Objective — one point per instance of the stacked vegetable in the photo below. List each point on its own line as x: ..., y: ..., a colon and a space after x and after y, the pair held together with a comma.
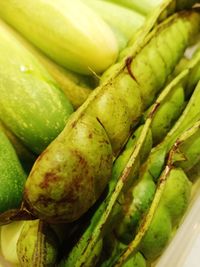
x: 109, y: 182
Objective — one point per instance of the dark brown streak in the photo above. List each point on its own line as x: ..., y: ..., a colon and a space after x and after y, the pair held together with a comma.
x: 155, y: 107
x: 128, y: 66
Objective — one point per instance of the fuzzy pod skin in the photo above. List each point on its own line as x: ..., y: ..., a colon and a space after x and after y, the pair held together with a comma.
x: 173, y: 204
x: 31, y: 104
x: 169, y: 205
x: 117, y: 127
x: 167, y: 114
x: 159, y: 62
x: 118, y: 109
x: 70, y: 176
x: 37, y: 245
x: 143, y: 190
x: 12, y: 176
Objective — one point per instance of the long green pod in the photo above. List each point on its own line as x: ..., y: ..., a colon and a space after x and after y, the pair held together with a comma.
x: 117, y: 96
x: 100, y: 220
x: 167, y: 197
x: 31, y: 104
x: 161, y: 12
x: 144, y: 188
x: 82, y: 250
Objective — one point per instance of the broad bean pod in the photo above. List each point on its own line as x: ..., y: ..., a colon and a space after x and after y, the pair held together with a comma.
x: 123, y: 174
x: 81, y: 173
x: 144, y: 188
x: 169, y: 204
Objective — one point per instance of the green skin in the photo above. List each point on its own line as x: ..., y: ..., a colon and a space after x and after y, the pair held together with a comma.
x: 25, y: 156
x: 141, y: 195
x: 174, y: 202
x: 54, y: 186
x: 37, y: 245
x: 167, y: 114
x: 12, y: 176
x: 118, y: 167
x: 169, y: 204
x: 31, y: 104
x: 113, y: 97
x: 83, y: 248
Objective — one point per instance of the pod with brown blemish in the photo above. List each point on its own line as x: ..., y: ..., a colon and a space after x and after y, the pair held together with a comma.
x: 70, y: 176
x: 44, y: 205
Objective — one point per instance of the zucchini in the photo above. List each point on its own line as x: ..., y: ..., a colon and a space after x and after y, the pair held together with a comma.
x: 31, y: 104
x: 12, y: 178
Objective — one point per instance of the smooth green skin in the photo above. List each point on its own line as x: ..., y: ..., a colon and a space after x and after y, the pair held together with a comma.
x: 69, y: 177
x: 37, y: 245
x: 69, y: 32
x: 126, y: 21
x: 173, y: 204
x: 25, y: 156
x: 167, y: 114
x: 31, y: 104
x: 12, y: 178
x: 75, y: 86
x: 143, y: 7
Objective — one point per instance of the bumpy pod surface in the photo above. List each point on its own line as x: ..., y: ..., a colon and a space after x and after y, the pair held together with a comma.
x: 124, y: 96
x: 61, y: 189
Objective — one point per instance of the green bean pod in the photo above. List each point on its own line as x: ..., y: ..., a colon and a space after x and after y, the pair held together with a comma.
x: 141, y: 194
x: 125, y: 170
x: 125, y: 95
x: 169, y: 204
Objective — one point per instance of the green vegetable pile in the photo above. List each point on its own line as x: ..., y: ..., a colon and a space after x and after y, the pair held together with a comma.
x: 99, y: 129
